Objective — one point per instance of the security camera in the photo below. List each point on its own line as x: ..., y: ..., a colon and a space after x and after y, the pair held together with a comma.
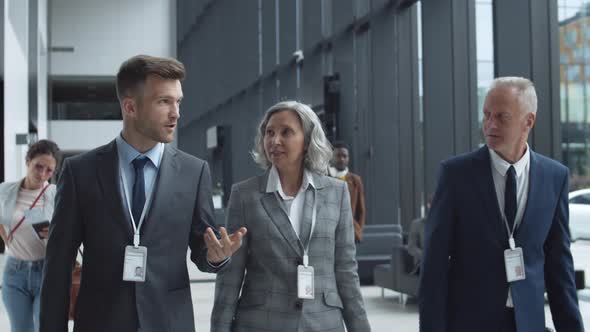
x: 298, y: 56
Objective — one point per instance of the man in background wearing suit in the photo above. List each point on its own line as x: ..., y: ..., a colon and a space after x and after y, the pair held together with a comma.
x: 497, y: 236
x: 136, y: 204
x: 355, y: 187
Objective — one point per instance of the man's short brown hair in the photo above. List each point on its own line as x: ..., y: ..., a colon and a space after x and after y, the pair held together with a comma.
x: 134, y: 72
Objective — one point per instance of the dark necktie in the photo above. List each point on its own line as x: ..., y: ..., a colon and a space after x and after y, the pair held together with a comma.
x: 138, y: 188
x: 510, y: 197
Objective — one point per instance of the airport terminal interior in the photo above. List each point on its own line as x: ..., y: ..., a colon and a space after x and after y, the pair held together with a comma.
x: 401, y: 82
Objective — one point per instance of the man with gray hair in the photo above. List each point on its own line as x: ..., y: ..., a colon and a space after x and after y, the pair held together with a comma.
x: 497, y: 236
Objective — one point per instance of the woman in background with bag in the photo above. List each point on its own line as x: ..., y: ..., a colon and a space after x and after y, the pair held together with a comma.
x: 26, y: 207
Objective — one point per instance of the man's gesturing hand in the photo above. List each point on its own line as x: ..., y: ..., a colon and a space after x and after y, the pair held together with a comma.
x: 219, y: 250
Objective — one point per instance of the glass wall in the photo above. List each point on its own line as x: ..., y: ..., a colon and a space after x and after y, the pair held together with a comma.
x: 574, y: 41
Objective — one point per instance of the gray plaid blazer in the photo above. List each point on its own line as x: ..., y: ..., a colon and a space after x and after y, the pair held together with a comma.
x: 257, y: 291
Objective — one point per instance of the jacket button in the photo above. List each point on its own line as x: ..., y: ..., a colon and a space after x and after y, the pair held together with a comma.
x: 298, y: 304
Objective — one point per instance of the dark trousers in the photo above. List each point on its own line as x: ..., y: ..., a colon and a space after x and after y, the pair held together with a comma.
x: 509, y: 321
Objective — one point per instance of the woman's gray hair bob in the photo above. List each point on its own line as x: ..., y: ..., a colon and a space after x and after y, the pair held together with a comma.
x: 318, y: 152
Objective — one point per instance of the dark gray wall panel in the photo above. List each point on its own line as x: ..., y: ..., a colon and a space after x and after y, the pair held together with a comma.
x: 344, y: 66
x: 378, y: 4
x: 246, y: 118
x: 311, y: 23
x: 312, y: 80
x: 437, y: 85
x: 270, y: 94
x: 269, y: 38
x: 449, y: 81
x: 287, y: 31
x: 216, y: 49
x: 342, y: 14
x: 361, y: 7
x: 411, y: 157
x: 362, y: 143
x: 188, y: 12
x: 288, y: 84
x: 385, y: 133
x: 526, y: 39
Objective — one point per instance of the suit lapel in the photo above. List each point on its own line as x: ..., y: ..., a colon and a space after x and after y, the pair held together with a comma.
x: 108, y: 176
x: 280, y: 218
x: 536, y: 180
x: 162, y: 190
x: 320, y: 197
x: 487, y: 190
x: 307, y: 216
x: 277, y: 214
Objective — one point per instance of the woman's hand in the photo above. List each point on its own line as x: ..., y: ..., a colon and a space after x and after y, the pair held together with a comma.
x: 44, y: 233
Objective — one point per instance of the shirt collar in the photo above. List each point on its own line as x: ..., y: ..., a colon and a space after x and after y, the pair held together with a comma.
x: 128, y: 153
x: 274, y: 182
x: 337, y: 174
x: 502, y: 165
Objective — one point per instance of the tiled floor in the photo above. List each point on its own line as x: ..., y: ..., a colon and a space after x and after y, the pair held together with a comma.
x: 385, y: 313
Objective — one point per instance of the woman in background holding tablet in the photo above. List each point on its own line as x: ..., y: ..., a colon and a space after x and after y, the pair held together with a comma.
x: 26, y: 207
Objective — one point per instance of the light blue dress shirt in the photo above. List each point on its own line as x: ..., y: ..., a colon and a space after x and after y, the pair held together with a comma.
x: 127, y: 154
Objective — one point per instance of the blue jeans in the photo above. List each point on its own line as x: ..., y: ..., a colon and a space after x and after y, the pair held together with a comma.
x: 21, y: 291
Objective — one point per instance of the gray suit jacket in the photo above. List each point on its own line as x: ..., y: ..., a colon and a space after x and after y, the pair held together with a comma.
x: 89, y: 211
x: 268, y: 259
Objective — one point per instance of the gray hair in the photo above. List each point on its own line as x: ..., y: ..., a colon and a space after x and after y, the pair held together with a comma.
x: 525, y: 90
x: 318, y: 152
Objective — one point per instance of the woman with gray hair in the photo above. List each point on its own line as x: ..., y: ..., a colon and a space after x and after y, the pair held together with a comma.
x: 296, y: 269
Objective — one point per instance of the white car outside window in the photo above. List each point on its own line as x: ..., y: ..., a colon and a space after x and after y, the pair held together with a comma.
x: 579, y: 204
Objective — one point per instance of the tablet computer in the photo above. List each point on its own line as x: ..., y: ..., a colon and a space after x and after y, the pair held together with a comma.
x: 39, y: 227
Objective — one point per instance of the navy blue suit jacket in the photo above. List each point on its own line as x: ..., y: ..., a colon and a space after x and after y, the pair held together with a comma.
x: 463, y: 283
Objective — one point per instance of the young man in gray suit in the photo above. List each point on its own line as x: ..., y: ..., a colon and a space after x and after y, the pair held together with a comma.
x: 136, y: 204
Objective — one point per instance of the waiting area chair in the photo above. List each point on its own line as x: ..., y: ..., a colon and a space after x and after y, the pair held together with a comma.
x: 397, y: 274
x: 375, y: 249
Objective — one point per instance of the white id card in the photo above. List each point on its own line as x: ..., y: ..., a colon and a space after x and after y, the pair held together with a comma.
x: 514, y: 261
x: 134, y: 267
x: 34, y: 216
x: 305, y: 287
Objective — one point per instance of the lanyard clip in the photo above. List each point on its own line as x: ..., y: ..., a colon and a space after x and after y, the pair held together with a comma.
x: 511, y: 243
x: 305, y: 260
x: 136, y: 239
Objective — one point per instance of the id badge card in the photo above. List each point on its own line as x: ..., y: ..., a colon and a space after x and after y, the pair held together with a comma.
x: 514, y: 261
x: 34, y: 216
x: 305, y: 286
x: 135, y: 264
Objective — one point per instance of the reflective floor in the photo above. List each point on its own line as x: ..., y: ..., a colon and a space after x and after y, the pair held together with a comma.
x: 386, y: 313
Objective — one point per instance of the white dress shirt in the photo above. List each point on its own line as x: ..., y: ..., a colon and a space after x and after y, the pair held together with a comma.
x: 294, y: 205
x: 499, y: 169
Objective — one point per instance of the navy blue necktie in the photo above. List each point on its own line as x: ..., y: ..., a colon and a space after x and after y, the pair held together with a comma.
x: 510, y: 197
x: 138, y: 188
